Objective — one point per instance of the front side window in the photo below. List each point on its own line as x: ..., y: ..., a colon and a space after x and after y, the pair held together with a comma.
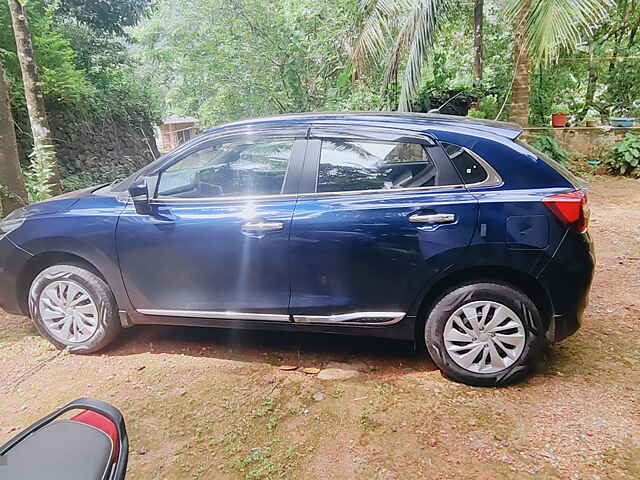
x: 229, y: 170
x: 350, y: 165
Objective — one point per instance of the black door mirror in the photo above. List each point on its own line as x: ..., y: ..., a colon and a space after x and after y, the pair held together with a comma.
x: 141, y: 192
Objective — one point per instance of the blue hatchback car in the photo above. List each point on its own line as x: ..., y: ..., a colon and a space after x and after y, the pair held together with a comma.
x: 416, y: 227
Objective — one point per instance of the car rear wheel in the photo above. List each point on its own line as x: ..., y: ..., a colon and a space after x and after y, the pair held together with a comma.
x: 485, y: 334
x: 74, y: 309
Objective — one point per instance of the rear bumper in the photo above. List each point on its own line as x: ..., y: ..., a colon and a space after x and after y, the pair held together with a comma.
x: 568, y: 278
x: 12, y: 262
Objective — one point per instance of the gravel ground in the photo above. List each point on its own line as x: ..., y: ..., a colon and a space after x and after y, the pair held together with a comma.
x: 208, y: 403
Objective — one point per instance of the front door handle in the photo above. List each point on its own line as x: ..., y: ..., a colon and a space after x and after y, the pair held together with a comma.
x: 440, y: 218
x: 262, y: 226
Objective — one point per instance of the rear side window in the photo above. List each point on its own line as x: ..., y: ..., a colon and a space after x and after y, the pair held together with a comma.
x: 468, y: 167
x: 350, y: 165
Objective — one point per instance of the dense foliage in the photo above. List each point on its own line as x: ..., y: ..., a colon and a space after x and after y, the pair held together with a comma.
x: 224, y: 60
x: 551, y: 147
x: 221, y: 60
x: 82, y: 56
x: 624, y: 157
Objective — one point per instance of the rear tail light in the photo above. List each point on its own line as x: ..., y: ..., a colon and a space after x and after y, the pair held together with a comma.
x: 571, y: 208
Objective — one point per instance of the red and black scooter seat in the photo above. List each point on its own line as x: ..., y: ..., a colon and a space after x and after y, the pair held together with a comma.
x: 62, y: 450
x: 92, y: 445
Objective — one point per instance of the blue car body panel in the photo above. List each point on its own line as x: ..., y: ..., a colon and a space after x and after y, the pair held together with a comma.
x: 335, y: 253
x: 360, y: 252
x: 82, y: 227
x: 217, y: 267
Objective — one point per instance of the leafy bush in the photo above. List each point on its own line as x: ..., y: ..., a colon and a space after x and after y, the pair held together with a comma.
x: 487, y: 107
x: 82, y: 180
x: 624, y: 157
x: 560, y: 108
x: 37, y: 177
x: 550, y: 146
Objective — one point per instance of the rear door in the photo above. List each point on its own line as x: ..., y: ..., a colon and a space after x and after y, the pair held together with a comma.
x: 380, y: 212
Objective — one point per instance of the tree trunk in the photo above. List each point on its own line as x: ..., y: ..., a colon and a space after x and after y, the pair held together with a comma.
x: 478, y: 41
x: 592, y: 83
x: 520, y: 90
x: 42, y: 141
x: 13, y: 193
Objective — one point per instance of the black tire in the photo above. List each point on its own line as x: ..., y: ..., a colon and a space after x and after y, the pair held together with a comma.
x: 504, y: 294
x: 108, y: 321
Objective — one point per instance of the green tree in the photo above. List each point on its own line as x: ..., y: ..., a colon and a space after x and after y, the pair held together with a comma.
x: 225, y: 60
x: 105, y: 17
x: 478, y: 41
x: 541, y: 29
x: 43, y: 144
x: 13, y: 193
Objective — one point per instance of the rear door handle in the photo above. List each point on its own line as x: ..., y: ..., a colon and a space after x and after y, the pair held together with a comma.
x: 439, y: 218
x: 262, y: 226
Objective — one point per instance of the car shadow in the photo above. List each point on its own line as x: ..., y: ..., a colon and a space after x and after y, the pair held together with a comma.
x: 381, y: 356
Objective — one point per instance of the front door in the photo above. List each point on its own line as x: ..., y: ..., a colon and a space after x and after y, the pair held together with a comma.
x: 381, y: 217
x: 216, y: 243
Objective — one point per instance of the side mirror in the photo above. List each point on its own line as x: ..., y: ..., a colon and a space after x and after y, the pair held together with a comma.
x: 141, y: 193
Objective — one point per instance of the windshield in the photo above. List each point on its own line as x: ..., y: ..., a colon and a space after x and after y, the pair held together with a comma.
x: 576, y: 181
x: 123, y: 184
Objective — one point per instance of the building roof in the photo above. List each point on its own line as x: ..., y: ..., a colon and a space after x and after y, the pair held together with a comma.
x: 407, y: 120
x: 176, y: 119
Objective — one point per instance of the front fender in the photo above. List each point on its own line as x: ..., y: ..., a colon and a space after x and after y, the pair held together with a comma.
x: 87, y: 231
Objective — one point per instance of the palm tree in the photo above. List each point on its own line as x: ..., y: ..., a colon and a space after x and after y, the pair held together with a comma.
x: 478, y: 41
x: 543, y: 28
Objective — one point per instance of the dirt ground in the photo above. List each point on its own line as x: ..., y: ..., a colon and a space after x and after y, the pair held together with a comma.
x: 209, y: 404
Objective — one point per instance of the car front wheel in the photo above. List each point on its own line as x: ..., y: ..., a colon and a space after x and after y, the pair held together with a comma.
x: 485, y: 334
x: 74, y: 309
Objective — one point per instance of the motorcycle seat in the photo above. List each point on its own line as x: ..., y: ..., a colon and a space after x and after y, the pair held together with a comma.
x: 61, y: 450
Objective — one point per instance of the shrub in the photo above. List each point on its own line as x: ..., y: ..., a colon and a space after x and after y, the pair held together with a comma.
x: 624, y: 157
x: 560, y: 108
x: 37, y: 177
x: 550, y: 146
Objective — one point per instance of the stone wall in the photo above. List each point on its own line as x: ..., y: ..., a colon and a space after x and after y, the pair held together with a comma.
x: 592, y: 142
x: 92, y: 151
x: 100, y: 150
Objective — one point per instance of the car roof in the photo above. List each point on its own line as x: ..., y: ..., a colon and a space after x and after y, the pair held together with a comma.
x: 414, y: 121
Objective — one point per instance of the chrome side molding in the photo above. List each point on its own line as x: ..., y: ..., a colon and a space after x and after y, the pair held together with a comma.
x: 356, y: 318
x: 218, y: 315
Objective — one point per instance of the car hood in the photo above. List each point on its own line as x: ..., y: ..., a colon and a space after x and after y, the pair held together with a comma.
x: 58, y: 203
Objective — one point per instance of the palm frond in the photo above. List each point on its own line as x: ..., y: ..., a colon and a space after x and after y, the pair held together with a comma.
x: 392, y: 63
x: 421, y: 30
x: 380, y: 15
x: 554, y: 25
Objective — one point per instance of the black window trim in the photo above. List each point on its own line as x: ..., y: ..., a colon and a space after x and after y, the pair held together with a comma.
x: 493, y: 178
x: 360, y: 133
x: 222, y: 135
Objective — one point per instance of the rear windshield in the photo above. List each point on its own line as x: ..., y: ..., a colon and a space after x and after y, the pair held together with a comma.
x: 576, y: 181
